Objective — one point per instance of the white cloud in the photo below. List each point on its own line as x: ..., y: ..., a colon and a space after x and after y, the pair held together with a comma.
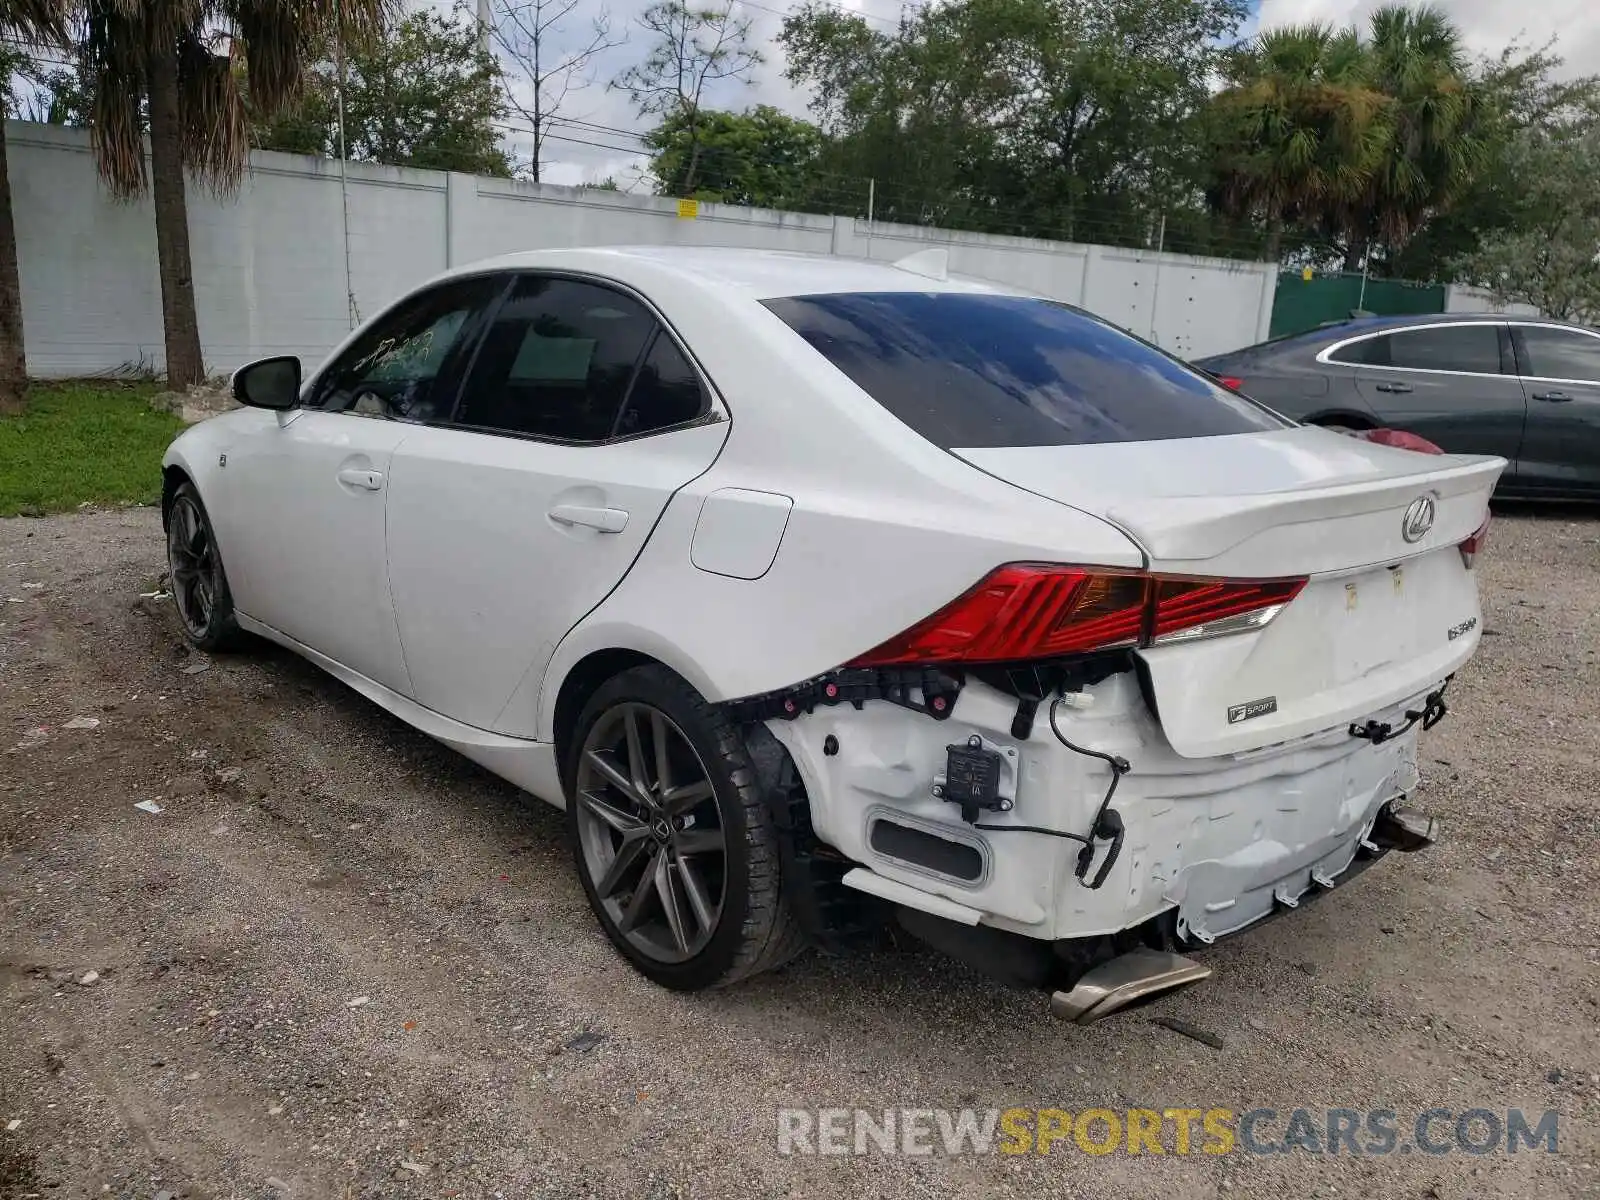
x: 1487, y: 26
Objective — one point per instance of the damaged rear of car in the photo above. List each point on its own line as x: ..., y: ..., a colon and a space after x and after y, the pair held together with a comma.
x: 1041, y: 641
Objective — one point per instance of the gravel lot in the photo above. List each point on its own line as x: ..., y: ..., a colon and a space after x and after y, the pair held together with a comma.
x: 313, y: 851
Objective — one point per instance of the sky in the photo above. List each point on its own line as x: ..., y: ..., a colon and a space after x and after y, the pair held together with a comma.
x: 1486, y: 25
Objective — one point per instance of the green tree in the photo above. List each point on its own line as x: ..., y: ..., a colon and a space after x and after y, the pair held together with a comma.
x: 1517, y: 92
x: 691, y: 49
x: 1064, y: 118
x: 762, y: 158
x: 1549, y: 258
x: 1434, y: 145
x: 24, y: 20
x: 169, y: 64
x: 1297, y: 130
x: 423, y: 95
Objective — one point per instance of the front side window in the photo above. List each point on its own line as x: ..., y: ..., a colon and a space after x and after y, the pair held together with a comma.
x: 557, y: 361
x: 1560, y: 354
x: 971, y: 370
x: 396, y: 368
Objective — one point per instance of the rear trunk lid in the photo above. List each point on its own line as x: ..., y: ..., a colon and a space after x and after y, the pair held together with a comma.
x: 1390, y: 608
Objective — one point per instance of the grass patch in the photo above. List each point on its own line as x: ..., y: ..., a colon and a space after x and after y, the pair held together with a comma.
x: 94, y: 442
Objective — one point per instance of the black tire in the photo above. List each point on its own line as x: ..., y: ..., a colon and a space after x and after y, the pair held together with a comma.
x: 195, y: 572
x: 754, y: 929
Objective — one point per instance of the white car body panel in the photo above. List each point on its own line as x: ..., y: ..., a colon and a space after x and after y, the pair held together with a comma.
x: 763, y: 550
x: 487, y: 570
x: 305, y: 549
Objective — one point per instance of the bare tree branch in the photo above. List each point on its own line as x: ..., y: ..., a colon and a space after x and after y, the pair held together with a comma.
x: 691, y: 49
x: 530, y: 34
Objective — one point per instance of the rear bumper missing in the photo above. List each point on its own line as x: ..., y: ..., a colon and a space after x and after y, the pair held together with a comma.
x: 1215, y: 844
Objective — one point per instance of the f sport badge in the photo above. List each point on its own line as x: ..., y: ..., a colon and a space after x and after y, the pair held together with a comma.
x: 1249, y: 712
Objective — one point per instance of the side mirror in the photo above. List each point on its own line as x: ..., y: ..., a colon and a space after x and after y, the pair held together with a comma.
x: 268, y: 383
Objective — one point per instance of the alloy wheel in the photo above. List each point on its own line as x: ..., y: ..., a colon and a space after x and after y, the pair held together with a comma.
x: 194, y: 564
x: 650, y: 832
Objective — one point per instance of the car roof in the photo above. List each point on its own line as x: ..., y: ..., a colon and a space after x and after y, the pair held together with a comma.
x: 761, y: 274
x: 1355, y: 326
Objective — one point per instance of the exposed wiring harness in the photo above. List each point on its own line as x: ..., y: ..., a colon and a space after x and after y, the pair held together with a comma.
x: 1107, y: 824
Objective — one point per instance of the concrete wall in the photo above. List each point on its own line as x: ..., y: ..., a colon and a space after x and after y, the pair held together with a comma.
x: 270, y: 263
x: 1459, y: 299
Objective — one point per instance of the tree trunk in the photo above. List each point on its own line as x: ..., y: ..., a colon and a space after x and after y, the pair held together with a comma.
x: 184, y: 364
x: 13, y: 363
x: 1354, y: 253
x: 1275, y: 240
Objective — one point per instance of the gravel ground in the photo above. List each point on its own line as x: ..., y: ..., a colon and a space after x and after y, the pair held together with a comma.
x: 313, y: 852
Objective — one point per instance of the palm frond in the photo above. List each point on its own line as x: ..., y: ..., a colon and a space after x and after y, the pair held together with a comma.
x: 35, y: 20
x: 112, y: 57
x: 216, y: 126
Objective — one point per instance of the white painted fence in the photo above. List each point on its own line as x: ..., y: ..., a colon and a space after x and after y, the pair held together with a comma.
x: 1458, y: 299
x: 270, y: 264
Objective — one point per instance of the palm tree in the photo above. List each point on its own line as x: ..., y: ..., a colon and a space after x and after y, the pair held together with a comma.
x: 1298, y: 129
x: 1415, y: 58
x: 171, y: 63
x: 28, y: 20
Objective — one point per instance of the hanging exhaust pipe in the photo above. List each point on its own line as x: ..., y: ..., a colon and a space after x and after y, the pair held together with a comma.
x: 1129, y: 979
x: 1404, y: 829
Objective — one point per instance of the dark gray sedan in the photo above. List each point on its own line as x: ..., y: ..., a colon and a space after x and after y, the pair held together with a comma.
x: 1523, y: 388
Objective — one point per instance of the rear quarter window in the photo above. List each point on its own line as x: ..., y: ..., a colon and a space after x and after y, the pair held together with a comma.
x: 973, y: 370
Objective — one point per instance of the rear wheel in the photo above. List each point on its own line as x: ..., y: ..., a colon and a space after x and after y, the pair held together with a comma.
x: 672, y: 836
x: 199, y: 583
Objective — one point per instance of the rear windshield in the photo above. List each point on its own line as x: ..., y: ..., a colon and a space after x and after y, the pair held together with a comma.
x: 972, y: 370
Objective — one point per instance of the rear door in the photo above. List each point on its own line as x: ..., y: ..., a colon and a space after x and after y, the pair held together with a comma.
x: 1561, y: 376
x: 580, y: 417
x: 1454, y: 384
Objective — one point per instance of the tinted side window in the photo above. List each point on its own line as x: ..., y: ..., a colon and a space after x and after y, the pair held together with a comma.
x: 666, y: 392
x: 972, y: 370
x: 394, y: 368
x: 1560, y: 354
x: 1369, y: 352
x: 557, y: 361
x: 1448, y: 348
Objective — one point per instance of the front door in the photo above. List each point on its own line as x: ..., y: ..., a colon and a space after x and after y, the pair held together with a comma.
x: 313, y: 486
x: 579, y: 421
x: 1561, y: 376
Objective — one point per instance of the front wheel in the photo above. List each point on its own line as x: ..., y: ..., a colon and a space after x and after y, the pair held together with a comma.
x: 673, y: 839
x: 199, y: 584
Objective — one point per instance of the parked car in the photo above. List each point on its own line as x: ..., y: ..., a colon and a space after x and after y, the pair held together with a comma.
x: 819, y: 590
x: 1525, y: 389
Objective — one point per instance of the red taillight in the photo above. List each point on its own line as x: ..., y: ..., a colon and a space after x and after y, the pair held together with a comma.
x: 1032, y: 610
x: 1398, y: 438
x: 1196, y: 608
x: 1469, y: 548
x: 1232, y: 382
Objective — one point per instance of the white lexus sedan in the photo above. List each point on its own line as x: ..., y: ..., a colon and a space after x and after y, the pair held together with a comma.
x: 821, y: 592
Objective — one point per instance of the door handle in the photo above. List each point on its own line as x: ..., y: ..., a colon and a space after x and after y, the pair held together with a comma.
x: 1396, y: 389
x: 606, y: 520
x: 1553, y: 397
x: 368, y: 481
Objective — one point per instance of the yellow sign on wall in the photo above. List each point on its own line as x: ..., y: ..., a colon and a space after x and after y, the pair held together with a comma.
x: 1305, y: 274
x: 688, y: 209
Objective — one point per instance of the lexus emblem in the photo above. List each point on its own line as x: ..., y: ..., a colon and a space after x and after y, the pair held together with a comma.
x: 1418, y: 519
